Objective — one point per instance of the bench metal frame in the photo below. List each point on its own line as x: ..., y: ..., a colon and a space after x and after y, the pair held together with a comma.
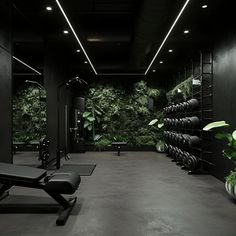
x: 66, y: 204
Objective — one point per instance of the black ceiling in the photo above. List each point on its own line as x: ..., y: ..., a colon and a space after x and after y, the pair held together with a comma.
x: 119, y: 36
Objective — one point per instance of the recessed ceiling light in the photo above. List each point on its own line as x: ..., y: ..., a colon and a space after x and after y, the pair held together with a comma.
x: 65, y: 31
x: 204, y: 6
x: 161, y: 62
x: 153, y: 70
x: 85, y: 62
x: 78, y: 50
x: 49, y: 8
x: 186, y: 31
x: 170, y: 50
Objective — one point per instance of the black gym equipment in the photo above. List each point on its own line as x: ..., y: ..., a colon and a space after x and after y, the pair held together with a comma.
x: 53, y: 184
x: 44, y: 152
x: 67, y: 84
x: 118, y: 146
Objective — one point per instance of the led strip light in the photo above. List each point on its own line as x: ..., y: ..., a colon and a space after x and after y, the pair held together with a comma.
x: 25, y: 64
x: 158, y: 51
x: 170, y: 30
x: 121, y: 74
x: 77, y: 38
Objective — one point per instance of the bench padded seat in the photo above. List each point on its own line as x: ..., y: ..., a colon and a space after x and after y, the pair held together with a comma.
x: 63, y: 183
x: 27, y: 174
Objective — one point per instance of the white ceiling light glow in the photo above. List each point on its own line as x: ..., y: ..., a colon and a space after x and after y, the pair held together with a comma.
x: 65, y: 31
x: 170, y: 50
x: 204, y: 6
x: 76, y: 37
x: 186, y: 31
x: 140, y: 74
x: 25, y: 64
x: 166, y: 37
x: 49, y: 8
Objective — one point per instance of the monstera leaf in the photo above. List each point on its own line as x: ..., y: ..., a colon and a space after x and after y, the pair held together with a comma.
x: 216, y: 124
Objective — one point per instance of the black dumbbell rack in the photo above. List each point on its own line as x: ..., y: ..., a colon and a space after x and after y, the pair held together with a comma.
x: 195, y: 158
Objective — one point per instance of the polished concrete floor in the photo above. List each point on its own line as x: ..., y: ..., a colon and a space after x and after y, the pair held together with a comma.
x: 136, y: 194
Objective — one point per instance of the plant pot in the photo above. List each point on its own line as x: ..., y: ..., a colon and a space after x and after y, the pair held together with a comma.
x: 231, y: 189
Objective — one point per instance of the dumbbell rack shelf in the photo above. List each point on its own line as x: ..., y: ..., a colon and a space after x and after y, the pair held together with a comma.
x: 195, y: 159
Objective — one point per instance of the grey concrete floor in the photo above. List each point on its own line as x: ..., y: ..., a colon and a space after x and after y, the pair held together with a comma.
x: 136, y: 194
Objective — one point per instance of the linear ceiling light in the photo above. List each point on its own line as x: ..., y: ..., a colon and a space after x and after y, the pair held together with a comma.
x: 77, y: 38
x: 121, y: 74
x: 166, y: 37
x: 23, y: 63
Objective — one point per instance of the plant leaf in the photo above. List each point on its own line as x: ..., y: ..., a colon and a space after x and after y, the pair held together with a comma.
x: 234, y: 135
x: 86, y: 124
x: 97, y: 112
x: 223, y: 136
x: 91, y: 119
x: 86, y: 114
x: 216, y: 124
x: 152, y: 122
x: 97, y: 137
x: 230, y: 153
x: 160, y: 125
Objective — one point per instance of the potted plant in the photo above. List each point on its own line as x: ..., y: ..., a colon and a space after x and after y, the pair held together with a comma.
x: 229, y: 152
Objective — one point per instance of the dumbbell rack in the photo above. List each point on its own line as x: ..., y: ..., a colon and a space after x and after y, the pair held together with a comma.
x: 202, y: 90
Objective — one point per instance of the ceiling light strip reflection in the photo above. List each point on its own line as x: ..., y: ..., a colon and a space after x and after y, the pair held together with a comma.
x: 170, y: 30
x: 120, y: 74
x: 25, y: 64
x: 72, y: 29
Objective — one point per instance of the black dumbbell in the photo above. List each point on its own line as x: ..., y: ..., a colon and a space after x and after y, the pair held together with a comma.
x: 193, y: 122
x: 193, y: 163
x: 192, y: 104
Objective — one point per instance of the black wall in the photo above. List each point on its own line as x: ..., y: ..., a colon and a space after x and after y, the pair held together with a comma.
x: 224, y: 98
x: 5, y: 82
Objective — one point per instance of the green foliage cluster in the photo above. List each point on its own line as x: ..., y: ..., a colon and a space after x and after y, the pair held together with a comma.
x: 117, y: 115
x: 230, y: 151
x: 180, y: 92
x: 29, y: 115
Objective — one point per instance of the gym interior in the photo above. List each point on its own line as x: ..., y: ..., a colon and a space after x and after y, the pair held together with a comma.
x: 117, y: 117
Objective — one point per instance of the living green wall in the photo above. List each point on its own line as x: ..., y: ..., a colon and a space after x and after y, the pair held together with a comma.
x: 116, y: 114
x: 29, y: 114
x: 180, y: 92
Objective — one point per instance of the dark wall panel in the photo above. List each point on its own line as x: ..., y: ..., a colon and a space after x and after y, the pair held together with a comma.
x: 5, y: 83
x: 224, y: 98
x: 5, y: 24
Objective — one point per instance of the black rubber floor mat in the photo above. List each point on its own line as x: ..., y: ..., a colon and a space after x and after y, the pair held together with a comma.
x: 82, y: 169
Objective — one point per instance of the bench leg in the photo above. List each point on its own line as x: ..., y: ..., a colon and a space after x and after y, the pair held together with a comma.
x: 61, y: 220
x: 67, y: 207
x: 118, y: 148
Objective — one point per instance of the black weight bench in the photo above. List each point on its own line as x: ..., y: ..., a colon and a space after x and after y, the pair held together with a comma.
x: 53, y: 184
x: 118, y: 145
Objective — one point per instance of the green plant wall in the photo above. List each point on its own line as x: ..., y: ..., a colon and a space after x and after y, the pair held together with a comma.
x: 29, y: 114
x: 114, y: 114
x: 182, y: 91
